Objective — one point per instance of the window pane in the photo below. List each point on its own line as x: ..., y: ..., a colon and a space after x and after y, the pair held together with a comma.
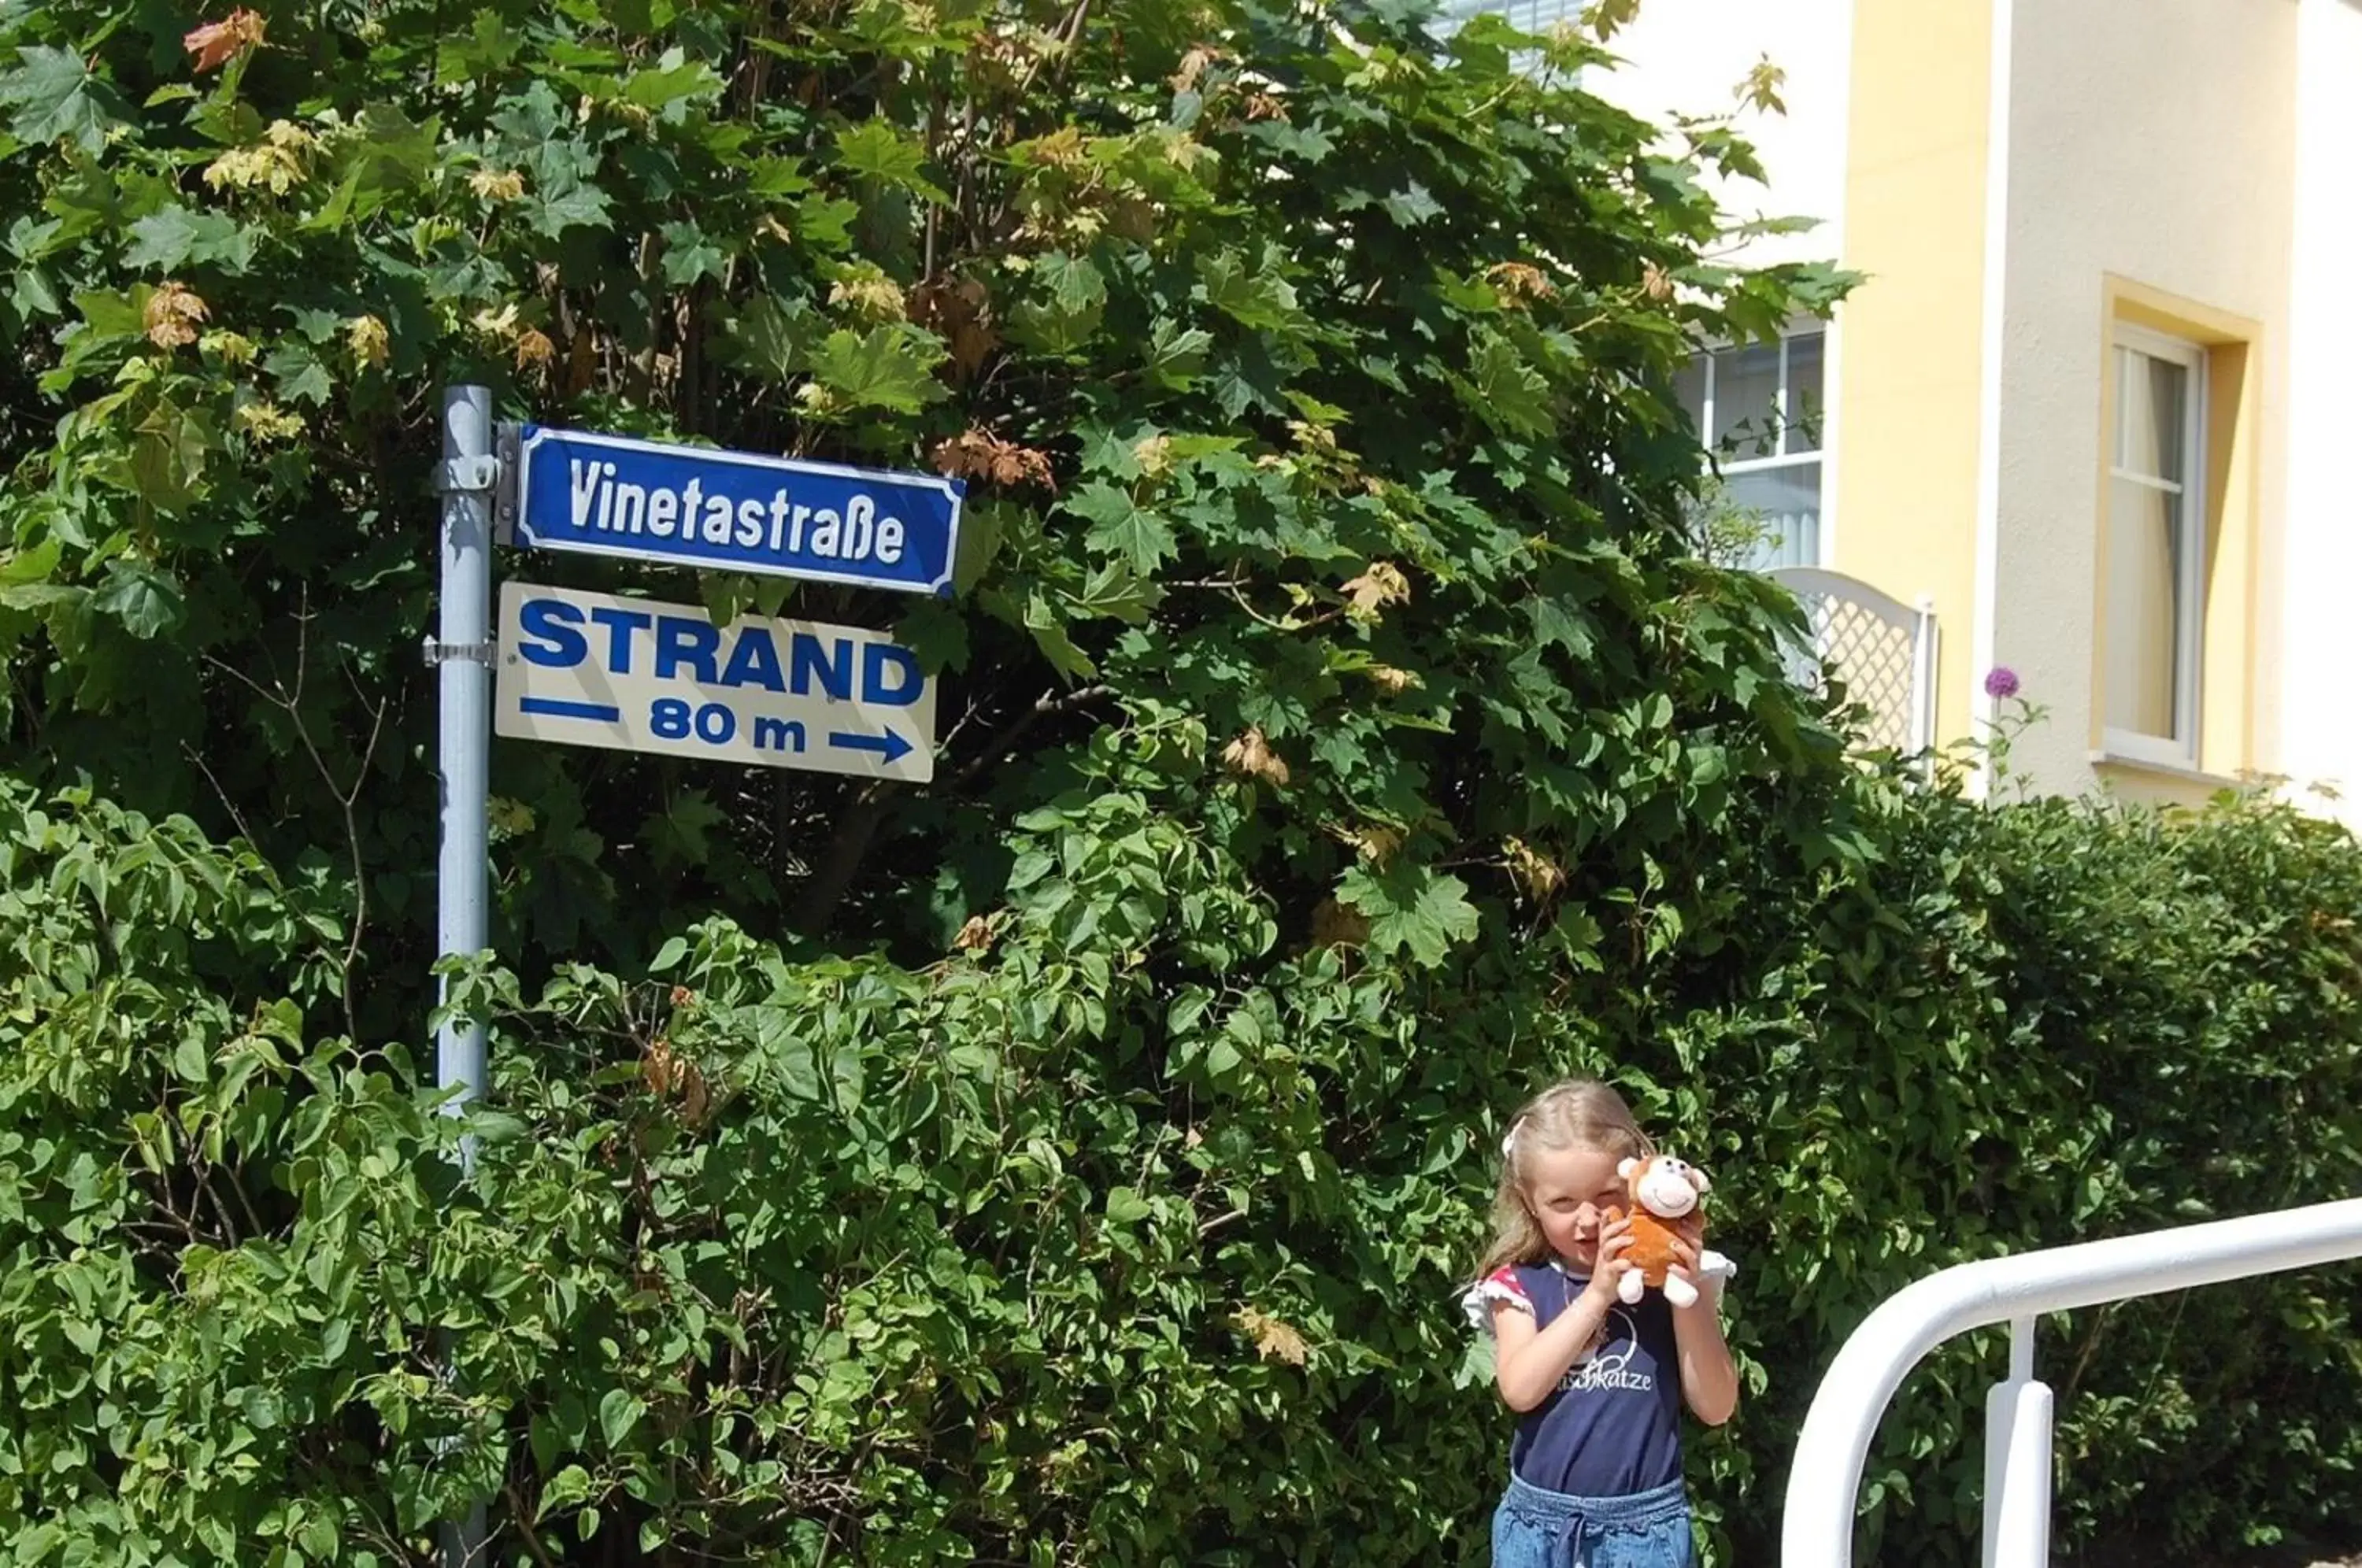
x: 1805, y: 353
x: 1689, y: 390
x: 1746, y: 402
x: 2143, y: 607
x: 1788, y: 501
x: 2153, y: 397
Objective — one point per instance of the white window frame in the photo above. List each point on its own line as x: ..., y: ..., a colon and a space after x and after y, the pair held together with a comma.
x: 1780, y: 459
x: 2189, y: 641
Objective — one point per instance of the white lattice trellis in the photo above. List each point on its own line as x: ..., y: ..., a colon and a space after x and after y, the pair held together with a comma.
x: 1880, y: 650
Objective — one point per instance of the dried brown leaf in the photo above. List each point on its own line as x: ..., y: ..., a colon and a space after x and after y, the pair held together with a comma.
x: 1273, y: 1339
x: 172, y: 314
x: 368, y: 339
x: 869, y: 295
x: 1194, y: 64
x: 1381, y: 583
x: 215, y: 44
x: 1250, y: 757
x: 976, y: 453
x: 497, y: 184
x: 1536, y: 873
x: 1154, y: 456
x: 1518, y: 282
x: 660, y: 1066
x: 957, y: 309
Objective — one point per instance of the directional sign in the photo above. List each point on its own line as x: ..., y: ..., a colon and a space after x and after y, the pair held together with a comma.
x: 633, y: 675
x: 689, y: 506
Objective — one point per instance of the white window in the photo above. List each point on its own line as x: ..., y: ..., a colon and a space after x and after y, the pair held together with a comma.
x: 1525, y: 15
x: 1759, y: 411
x: 2156, y: 538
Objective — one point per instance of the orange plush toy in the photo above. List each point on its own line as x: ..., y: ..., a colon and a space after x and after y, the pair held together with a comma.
x: 1666, y: 1193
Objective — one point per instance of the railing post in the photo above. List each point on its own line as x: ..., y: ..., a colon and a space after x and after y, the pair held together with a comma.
x: 1824, y: 1481
x: 2017, y: 1460
x: 1923, y: 675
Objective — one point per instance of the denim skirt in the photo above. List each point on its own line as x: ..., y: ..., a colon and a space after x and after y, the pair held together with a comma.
x: 1535, y: 1529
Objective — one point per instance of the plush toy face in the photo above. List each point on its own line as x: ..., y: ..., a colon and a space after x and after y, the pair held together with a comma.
x: 1663, y: 1186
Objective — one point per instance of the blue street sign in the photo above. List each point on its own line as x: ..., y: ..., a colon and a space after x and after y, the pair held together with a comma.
x: 691, y: 506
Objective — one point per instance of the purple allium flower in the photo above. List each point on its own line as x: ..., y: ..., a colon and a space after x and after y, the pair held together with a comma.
x: 2001, y: 681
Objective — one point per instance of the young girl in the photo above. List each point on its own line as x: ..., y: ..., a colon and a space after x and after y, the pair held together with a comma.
x: 1596, y: 1468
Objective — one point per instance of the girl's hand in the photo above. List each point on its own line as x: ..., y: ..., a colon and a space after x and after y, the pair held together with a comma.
x: 1609, y: 1264
x: 1683, y: 1262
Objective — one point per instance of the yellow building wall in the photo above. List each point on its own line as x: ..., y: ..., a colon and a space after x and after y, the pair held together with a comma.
x: 1910, y: 337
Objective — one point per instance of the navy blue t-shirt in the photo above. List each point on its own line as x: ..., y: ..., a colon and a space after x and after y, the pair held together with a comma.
x: 1614, y: 1425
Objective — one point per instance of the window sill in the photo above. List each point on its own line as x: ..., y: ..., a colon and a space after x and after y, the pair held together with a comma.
x: 2116, y: 761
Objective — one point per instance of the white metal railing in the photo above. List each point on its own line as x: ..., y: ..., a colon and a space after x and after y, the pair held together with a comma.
x: 1816, y: 1530
x: 1883, y: 649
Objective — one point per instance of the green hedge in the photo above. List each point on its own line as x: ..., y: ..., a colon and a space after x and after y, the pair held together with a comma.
x: 1019, y: 1258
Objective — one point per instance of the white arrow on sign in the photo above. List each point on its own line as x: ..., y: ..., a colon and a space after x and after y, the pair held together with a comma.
x: 634, y: 675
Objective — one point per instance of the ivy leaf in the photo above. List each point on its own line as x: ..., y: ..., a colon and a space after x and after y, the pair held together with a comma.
x: 1261, y: 300
x: 891, y: 367
x: 396, y: 153
x: 1412, y: 205
x: 774, y: 179
x: 1505, y: 391
x: 168, y: 456
x: 486, y: 50
x: 169, y: 236
x: 145, y: 599
x: 110, y: 317
x: 671, y: 85
x: 584, y: 206
x: 680, y: 835
x: 1065, y: 312
x: 1553, y: 622
x: 826, y: 222
x: 1177, y: 355
x: 1310, y: 143
x: 1411, y: 906
x: 57, y: 97
x: 1116, y: 592
x: 300, y: 373
x: 876, y: 150
x: 936, y: 632
x: 689, y: 254
x: 772, y: 339
x: 1049, y: 629
x: 1120, y: 527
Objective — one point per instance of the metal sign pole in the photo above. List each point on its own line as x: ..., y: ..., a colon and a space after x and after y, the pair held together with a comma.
x: 461, y: 653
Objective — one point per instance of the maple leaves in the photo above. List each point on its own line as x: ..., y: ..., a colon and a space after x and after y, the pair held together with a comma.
x: 368, y: 339
x: 1250, y: 757
x: 1273, y: 1339
x: 497, y: 184
x: 1381, y: 583
x: 1518, y: 282
x: 979, y: 453
x: 172, y: 315
x: 215, y: 44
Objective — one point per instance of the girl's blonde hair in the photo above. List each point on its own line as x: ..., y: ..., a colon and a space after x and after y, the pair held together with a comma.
x: 1573, y: 1113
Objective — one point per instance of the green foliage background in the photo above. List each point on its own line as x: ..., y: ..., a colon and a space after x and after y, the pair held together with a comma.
x: 1073, y: 1161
